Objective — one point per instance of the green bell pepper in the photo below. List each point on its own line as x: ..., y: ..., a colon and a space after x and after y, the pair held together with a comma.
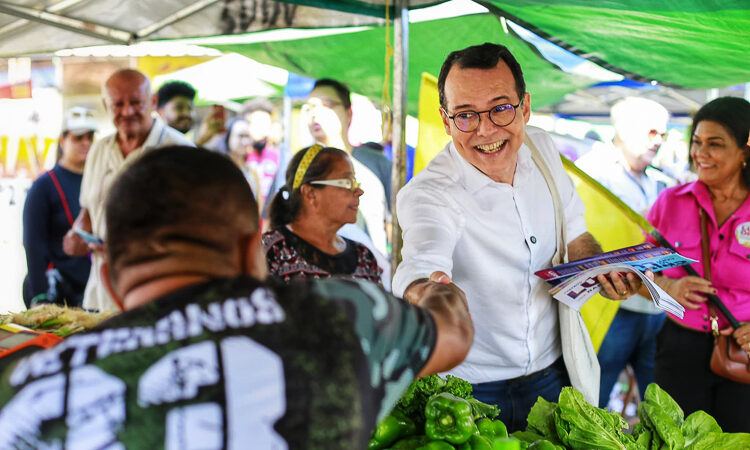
x: 542, y: 444
x: 476, y: 442
x: 450, y: 418
x: 394, y: 427
x: 437, y: 445
x: 492, y: 428
x: 411, y: 442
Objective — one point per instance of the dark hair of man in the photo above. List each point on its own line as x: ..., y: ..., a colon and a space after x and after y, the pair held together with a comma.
x: 175, y: 196
x: 485, y: 56
x: 172, y: 89
x: 287, y: 203
x: 256, y: 104
x: 733, y: 113
x: 345, y: 95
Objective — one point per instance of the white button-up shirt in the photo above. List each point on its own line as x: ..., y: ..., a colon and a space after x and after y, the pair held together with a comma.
x: 490, y: 238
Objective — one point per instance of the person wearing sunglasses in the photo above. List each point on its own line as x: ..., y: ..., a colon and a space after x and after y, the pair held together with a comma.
x: 321, y: 194
x: 487, y: 212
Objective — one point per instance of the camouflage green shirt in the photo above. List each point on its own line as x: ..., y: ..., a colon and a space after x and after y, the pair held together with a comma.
x: 232, y: 363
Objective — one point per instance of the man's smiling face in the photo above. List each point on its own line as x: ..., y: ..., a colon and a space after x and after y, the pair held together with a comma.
x: 490, y: 148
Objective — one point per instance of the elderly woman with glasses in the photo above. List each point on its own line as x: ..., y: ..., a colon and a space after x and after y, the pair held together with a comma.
x: 319, y: 197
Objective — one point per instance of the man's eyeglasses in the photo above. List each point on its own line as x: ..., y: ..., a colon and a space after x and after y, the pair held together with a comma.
x: 346, y: 183
x: 500, y: 115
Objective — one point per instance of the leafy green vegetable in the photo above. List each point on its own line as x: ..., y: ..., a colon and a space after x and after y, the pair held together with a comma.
x: 587, y: 427
x: 697, y: 425
x: 541, y: 421
x: 714, y: 440
x: 526, y: 436
x: 659, y: 397
x: 663, y: 424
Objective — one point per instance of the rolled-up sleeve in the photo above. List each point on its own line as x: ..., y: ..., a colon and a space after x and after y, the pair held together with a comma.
x: 431, y: 224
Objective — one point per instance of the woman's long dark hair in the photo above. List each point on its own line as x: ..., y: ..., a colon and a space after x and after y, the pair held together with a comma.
x: 733, y: 113
x: 286, y: 204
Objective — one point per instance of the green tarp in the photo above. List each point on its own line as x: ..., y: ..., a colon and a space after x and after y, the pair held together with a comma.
x: 358, y: 58
x: 696, y: 44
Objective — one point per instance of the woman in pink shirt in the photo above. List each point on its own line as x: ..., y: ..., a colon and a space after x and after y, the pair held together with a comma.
x: 720, y: 152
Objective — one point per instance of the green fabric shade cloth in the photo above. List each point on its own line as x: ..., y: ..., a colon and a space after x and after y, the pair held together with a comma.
x: 358, y: 58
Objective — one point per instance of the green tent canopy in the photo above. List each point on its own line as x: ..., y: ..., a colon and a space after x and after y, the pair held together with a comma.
x: 358, y: 59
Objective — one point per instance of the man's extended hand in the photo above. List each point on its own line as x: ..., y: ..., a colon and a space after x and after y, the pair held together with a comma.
x: 616, y: 287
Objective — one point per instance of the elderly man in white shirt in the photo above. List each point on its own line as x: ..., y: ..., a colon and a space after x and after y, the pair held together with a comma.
x: 624, y: 167
x: 128, y: 100
x: 487, y: 213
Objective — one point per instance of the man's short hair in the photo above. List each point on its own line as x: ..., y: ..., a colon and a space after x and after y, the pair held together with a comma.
x: 256, y: 104
x: 172, y: 89
x: 345, y: 95
x: 485, y: 56
x: 177, y: 194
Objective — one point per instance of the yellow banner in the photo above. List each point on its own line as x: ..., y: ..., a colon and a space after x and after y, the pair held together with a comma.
x: 432, y: 136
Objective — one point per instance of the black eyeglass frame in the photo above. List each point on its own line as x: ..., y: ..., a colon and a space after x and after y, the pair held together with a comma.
x: 479, y: 116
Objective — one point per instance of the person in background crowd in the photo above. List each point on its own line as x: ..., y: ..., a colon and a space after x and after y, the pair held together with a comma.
x: 263, y: 159
x: 320, y: 196
x: 328, y: 112
x: 213, y: 357
x: 484, y: 215
x: 720, y: 153
x: 51, y: 206
x: 174, y: 103
x: 128, y: 100
x: 371, y: 155
x: 624, y: 167
x: 239, y: 145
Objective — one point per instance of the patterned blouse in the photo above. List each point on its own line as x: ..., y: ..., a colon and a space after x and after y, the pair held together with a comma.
x: 291, y: 257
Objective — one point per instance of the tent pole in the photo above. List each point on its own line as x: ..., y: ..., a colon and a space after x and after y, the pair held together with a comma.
x: 400, y: 80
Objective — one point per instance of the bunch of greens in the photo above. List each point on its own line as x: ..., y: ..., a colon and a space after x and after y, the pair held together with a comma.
x: 573, y: 423
x: 663, y: 425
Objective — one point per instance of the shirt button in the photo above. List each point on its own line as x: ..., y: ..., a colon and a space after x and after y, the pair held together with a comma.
x: 705, y: 327
x: 533, y: 239
x: 721, y: 237
x: 705, y: 317
x: 678, y: 244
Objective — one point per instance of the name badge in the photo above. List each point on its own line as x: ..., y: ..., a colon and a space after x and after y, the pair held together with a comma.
x: 742, y: 232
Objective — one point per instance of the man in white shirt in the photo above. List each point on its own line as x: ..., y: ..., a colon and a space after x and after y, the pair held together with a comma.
x: 328, y: 112
x: 128, y: 100
x: 624, y: 167
x: 482, y: 214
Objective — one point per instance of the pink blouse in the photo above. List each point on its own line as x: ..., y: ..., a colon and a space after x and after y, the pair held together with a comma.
x: 675, y: 214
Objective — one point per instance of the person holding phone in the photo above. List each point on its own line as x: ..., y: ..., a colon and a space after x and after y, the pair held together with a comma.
x: 51, y: 205
x: 174, y: 104
x: 128, y: 100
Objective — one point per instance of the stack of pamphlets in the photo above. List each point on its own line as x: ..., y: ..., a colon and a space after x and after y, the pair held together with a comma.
x: 575, y: 282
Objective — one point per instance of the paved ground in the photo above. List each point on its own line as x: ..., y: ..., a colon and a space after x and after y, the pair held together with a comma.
x: 12, y: 256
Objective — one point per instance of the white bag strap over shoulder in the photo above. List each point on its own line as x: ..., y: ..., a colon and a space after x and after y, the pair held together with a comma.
x: 578, y: 351
x: 561, y: 254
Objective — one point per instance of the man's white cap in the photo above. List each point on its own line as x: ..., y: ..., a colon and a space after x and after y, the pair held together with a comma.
x: 79, y: 120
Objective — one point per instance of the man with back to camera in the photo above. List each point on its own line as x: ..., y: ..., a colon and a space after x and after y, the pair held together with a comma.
x: 624, y: 167
x: 207, y: 355
x: 482, y: 214
x: 174, y: 104
x: 128, y: 100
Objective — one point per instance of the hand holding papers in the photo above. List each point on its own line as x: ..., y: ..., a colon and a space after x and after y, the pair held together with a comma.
x: 575, y: 282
